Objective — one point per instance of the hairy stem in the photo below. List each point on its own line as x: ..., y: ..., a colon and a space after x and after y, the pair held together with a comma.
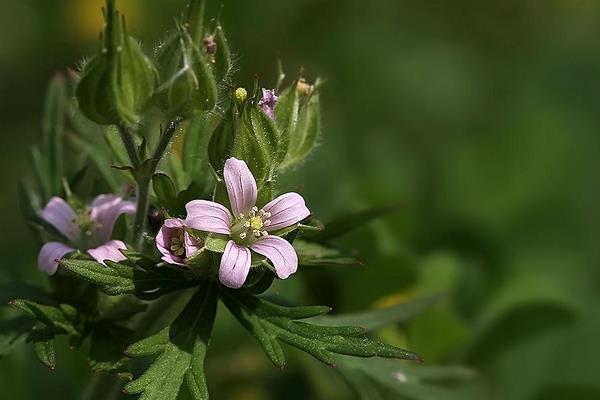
x: 129, y: 143
x: 143, y: 172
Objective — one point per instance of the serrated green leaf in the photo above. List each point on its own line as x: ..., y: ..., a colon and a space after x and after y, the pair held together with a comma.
x: 271, y: 323
x: 348, y: 222
x: 50, y: 316
x: 118, y: 278
x: 182, y: 351
x: 113, y: 278
x: 378, y: 318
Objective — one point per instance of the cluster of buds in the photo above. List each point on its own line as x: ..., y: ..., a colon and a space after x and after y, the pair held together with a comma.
x: 121, y: 82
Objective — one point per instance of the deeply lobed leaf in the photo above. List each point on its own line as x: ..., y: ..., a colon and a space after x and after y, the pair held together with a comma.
x: 181, y: 349
x: 271, y: 323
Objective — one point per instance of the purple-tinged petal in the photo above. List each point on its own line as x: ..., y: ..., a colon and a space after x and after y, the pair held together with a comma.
x: 49, y: 255
x: 170, y: 229
x: 285, y: 210
x: 208, y: 216
x: 108, y: 251
x: 105, y: 210
x: 235, y: 265
x: 191, y: 244
x: 59, y: 214
x: 268, y: 102
x: 241, y: 186
x: 280, y: 252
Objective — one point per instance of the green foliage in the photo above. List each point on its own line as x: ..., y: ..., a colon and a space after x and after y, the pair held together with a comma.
x: 312, y: 254
x: 348, y: 222
x: 138, y: 275
x: 270, y: 323
x: 13, y: 332
x: 379, y: 379
x: 181, y: 349
x: 374, y: 319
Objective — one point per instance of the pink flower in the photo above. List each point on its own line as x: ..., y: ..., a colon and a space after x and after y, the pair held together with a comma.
x: 248, y: 227
x: 175, y: 243
x: 268, y: 102
x: 89, y: 231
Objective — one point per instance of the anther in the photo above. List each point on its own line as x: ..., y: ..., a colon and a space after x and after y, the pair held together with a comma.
x: 267, y: 222
x: 265, y: 233
x: 247, y: 224
x: 256, y: 233
x: 243, y: 235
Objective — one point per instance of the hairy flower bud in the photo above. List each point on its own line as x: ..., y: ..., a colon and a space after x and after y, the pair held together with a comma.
x: 188, y: 86
x: 116, y: 84
x: 298, y: 118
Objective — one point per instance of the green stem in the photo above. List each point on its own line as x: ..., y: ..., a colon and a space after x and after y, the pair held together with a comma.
x: 130, y: 147
x: 142, y: 192
x: 143, y: 172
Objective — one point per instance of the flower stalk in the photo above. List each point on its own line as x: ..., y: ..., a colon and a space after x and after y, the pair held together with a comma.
x: 143, y: 170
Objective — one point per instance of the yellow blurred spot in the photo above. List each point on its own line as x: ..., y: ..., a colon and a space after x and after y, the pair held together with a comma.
x: 84, y: 19
x: 393, y: 299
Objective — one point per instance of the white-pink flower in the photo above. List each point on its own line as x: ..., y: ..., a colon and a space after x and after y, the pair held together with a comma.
x: 90, y: 231
x: 248, y: 227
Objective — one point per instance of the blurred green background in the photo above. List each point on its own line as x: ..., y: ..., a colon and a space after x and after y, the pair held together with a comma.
x: 480, y: 117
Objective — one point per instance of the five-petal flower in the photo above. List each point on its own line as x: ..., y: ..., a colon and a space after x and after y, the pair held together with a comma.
x: 248, y: 227
x: 90, y: 231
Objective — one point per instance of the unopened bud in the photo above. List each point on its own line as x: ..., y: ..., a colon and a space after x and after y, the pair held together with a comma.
x: 303, y: 88
x: 118, y: 83
x: 188, y: 86
x: 241, y: 94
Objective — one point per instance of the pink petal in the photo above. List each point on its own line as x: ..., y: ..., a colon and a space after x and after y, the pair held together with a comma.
x: 191, y: 244
x: 208, y: 216
x: 235, y: 265
x: 241, y: 186
x: 49, y: 254
x: 105, y: 210
x: 59, y: 214
x: 169, y: 229
x: 108, y: 251
x: 280, y: 252
x: 286, y: 210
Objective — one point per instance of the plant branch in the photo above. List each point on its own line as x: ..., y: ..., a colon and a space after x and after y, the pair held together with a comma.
x: 129, y: 143
x: 143, y: 172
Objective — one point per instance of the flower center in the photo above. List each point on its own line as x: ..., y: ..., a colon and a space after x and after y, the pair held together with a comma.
x: 177, y: 246
x: 248, y: 227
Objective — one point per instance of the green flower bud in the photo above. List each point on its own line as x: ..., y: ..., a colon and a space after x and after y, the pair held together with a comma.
x: 117, y: 84
x: 241, y: 94
x: 298, y: 118
x: 247, y: 133
x: 188, y: 85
